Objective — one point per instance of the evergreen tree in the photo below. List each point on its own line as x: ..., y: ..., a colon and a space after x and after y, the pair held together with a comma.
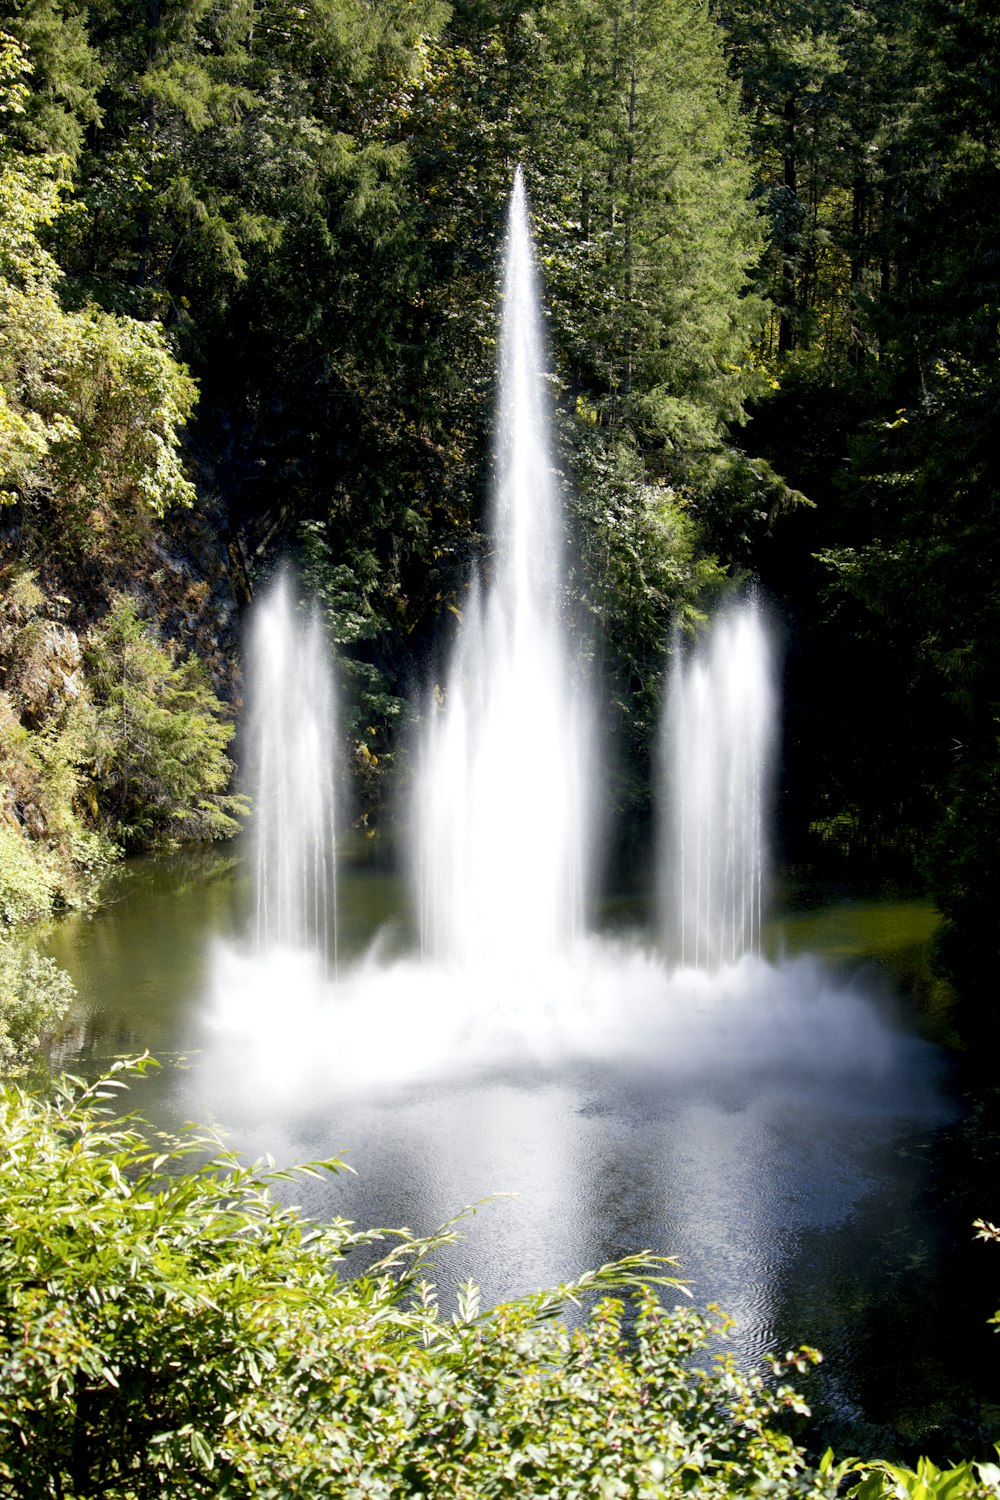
x: 156, y: 754
x: 924, y: 555
x: 824, y: 84
x: 61, y: 103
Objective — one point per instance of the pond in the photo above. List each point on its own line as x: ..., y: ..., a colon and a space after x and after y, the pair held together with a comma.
x: 792, y: 1163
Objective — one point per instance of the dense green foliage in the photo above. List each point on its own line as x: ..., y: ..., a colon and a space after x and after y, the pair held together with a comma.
x: 168, y: 1328
x: 106, y: 742
x: 875, y: 144
x: 928, y: 471
x: 158, y: 738
x: 90, y: 403
x: 309, y: 210
x: 105, y: 737
x: 35, y: 994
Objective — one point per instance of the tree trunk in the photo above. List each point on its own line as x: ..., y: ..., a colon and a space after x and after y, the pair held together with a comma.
x: 790, y: 239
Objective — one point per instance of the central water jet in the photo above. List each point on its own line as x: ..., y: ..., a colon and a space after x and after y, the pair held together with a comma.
x: 500, y: 829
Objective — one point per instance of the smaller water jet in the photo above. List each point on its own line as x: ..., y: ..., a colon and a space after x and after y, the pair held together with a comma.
x: 717, y: 746
x: 291, y: 740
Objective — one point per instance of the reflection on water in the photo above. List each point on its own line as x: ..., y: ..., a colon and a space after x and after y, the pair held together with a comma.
x: 788, y: 1178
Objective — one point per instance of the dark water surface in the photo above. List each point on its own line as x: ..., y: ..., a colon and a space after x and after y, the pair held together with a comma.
x: 802, y: 1195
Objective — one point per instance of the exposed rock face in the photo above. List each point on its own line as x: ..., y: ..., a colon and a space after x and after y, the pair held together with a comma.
x: 184, y: 572
x: 41, y: 684
x: 55, y: 832
x: 190, y: 592
x: 44, y: 676
x: 40, y: 655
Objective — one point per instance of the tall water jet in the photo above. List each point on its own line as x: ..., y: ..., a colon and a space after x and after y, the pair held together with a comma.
x: 717, y: 749
x: 290, y: 737
x: 500, y: 830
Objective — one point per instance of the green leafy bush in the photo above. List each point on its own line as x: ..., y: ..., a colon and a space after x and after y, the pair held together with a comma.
x: 34, y: 996
x: 91, y: 404
x: 168, y: 1329
x: 49, y: 852
x: 104, y: 743
x: 886, y: 1481
x: 27, y: 880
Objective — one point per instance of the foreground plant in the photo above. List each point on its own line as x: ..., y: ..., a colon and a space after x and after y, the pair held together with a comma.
x: 168, y: 1329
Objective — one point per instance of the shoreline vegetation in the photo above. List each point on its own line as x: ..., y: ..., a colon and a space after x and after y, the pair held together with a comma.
x: 167, y: 1327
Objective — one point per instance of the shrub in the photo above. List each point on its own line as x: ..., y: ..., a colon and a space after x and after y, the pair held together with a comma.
x: 34, y: 996
x: 28, y: 882
x: 168, y: 1329
x: 91, y: 404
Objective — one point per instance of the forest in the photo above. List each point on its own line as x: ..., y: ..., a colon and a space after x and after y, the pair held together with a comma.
x: 248, y: 310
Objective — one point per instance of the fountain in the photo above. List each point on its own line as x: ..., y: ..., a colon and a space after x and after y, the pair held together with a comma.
x: 741, y: 1112
x: 290, y: 734
x: 501, y: 831
x: 717, y: 744
x: 507, y: 972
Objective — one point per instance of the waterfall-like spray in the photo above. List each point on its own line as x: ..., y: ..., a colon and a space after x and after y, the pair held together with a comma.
x: 500, y: 833
x: 717, y: 748
x: 290, y: 734
x: 506, y: 974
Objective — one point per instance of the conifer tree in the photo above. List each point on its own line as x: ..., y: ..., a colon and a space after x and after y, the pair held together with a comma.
x: 927, y: 472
